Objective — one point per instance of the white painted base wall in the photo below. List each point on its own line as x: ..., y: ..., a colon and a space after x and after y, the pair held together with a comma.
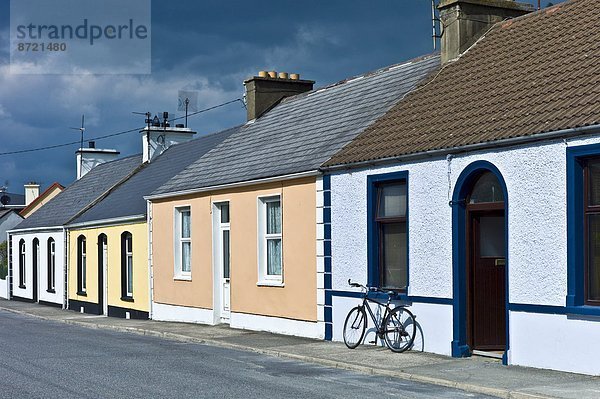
x: 164, y: 312
x: 4, y: 289
x: 434, y: 325
x: 278, y: 325
x: 559, y: 342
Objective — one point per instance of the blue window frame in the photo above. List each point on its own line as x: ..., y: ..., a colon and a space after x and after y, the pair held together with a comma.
x: 387, y: 236
x: 579, y: 209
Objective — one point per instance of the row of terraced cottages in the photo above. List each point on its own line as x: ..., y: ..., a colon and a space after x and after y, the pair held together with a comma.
x: 467, y: 182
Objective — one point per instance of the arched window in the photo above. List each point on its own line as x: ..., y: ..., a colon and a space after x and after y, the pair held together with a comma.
x: 22, y: 263
x: 81, y: 265
x: 51, y: 256
x: 487, y: 188
x: 126, y: 265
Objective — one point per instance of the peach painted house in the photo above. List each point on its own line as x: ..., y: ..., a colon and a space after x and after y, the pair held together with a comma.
x: 242, y: 235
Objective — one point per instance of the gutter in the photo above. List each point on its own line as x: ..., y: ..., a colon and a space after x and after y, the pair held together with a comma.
x: 234, y: 185
x: 39, y: 229
x: 103, y: 222
x: 557, y: 134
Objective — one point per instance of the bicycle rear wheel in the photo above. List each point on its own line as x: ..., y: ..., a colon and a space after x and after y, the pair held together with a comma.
x: 399, y: 329
x: 355, y: 326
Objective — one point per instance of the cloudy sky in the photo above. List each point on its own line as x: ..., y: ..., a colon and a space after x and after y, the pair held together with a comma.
x: 209, y: 46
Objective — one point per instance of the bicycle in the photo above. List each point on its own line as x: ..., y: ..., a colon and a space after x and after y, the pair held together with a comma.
x: 397, y: 329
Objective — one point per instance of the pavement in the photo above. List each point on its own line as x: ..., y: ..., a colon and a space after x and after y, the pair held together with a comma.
x: 475, y: 374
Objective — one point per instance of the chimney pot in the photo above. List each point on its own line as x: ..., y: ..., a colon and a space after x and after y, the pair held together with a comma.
x: 295, y: 76
x: 283, y: 75
x: 92, y: 144
x: 263, y: 74
x: 273, y: 74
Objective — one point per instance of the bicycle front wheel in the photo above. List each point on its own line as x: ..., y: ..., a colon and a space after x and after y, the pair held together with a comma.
x: 399, y: 329
x: 354, y: 327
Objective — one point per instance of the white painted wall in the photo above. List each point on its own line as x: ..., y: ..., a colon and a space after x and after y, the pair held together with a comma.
x: 43, y: 295
x: 4, y: 289
x: 537, y: 255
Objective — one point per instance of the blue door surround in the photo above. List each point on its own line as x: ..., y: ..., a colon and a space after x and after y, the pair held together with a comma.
x: 462, y: 189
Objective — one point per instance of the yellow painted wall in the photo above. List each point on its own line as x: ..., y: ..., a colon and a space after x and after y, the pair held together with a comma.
x: 141, y: 295
x: 296, y: 300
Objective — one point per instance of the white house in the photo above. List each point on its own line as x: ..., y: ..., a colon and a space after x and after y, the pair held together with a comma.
x: 477, y: 197
x: 37, y: 254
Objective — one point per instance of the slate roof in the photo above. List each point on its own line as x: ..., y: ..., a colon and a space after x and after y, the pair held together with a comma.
x: 4, y: 212
x: 60, y: 209
x: 127, y: 199
x: 533, y: 74
x: 303, y: 131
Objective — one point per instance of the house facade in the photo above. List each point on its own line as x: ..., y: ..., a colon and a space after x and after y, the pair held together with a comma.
x: 480, y: 212
x: 108, y: 243
x: 39, y: 244
x: 239, y: 237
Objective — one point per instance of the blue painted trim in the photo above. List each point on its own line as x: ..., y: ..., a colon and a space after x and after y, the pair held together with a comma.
x: 327, y: 231
x: 327, y: 260
x: 326, y: 182
x: 328, y: 313
x: 575, y: 240
x: 462, y: 189
x: 326, y: 198
x: 379, y: 295
x: 372, y: 234
x: 327, y: 247
x: 543, y: 309
x: 328, y: 331
x: 326, y: 215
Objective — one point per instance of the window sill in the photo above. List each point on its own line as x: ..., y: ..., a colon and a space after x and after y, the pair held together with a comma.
x: 583, y: 310
x: 182, y: 278
x: 51, y: 291
x: 81, y: 293
x: 127, y: 298
x: 270, y: 284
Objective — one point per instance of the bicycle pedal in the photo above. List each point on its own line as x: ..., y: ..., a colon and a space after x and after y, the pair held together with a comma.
x: 372, y: 342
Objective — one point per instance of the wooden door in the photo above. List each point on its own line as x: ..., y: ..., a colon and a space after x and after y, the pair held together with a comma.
x: 488, y: 278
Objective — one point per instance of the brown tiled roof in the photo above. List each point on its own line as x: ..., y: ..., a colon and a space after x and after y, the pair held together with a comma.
x: 534, y: 74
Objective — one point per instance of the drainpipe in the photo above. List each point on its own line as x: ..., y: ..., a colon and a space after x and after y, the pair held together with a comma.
x: 66, y: 270
x: 150, y: 266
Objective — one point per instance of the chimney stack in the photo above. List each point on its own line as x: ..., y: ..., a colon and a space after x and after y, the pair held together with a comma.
x: 268, y: 88
x: 160, y: 135
x: 88, y: 158
x: 465, y: 21
x: 32, y: 191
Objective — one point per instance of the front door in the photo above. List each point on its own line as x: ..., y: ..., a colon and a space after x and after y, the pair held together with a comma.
x: 488, y: 276
x: 223, y: 259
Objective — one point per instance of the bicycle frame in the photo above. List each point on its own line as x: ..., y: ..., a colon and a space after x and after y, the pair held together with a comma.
x: 366, y: 305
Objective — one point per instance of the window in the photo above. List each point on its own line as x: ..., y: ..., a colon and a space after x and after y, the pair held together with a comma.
x: 183, y: 242
x: 591, y: 224
x: 583, y: 229
x: 22, y: 263
x: 388, y: 233
x: 51, y: 256
x: 126, y: 265
x: 270, y: 239
x: 81, y: 266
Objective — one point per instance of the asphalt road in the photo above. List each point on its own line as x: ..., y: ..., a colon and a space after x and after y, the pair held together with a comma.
x: 44, y: 359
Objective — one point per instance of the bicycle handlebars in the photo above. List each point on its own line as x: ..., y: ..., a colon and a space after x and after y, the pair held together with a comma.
x: 374, y: 289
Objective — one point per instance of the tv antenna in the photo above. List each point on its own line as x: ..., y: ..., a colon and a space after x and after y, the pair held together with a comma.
x: 82, y: 130
x: 435, y: 19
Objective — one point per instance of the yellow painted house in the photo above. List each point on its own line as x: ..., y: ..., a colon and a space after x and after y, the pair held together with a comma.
x: 242, y: 236
x: 108, y: 247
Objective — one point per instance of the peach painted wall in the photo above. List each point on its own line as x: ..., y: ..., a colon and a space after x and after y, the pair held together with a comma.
x: 296, y: 299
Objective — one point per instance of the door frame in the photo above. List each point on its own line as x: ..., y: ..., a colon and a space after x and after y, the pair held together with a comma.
x: 219, y: 316
x: 102, y: 277
x: 461, y: 252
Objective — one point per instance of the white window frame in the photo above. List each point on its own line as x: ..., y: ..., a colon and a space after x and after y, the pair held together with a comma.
x: 179, y: 273
x: 263, y: 237
x: 52, y: 263
x: 128, y: 261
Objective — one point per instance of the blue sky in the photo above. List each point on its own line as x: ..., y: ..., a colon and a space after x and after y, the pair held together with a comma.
x: 210, y: 46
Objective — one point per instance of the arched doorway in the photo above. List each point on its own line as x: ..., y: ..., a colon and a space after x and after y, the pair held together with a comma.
x: 480, y: 261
